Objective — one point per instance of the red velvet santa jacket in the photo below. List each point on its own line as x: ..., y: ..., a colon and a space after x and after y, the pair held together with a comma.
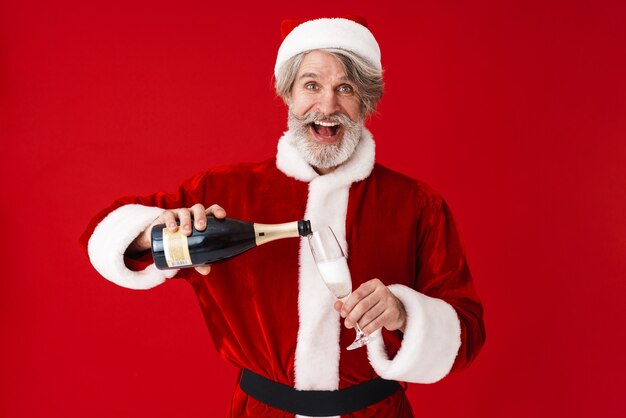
x: 267, y: 310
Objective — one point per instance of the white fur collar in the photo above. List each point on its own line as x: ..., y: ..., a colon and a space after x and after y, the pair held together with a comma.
x: 318, y: 351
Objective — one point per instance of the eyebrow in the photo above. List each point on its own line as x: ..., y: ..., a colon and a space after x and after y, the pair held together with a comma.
x: 315, y: 76
x: 308, y: 75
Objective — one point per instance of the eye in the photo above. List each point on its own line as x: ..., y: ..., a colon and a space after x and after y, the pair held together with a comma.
x: 310, y: 86
x: 345, y: 88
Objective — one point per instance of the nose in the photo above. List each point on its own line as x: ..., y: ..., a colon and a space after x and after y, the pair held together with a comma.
x: 328, y: 103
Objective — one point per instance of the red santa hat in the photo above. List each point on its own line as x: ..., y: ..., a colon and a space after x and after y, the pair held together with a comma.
x: 350, y: 33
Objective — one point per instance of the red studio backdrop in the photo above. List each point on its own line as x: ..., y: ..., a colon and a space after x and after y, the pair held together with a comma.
x: 514, y: 110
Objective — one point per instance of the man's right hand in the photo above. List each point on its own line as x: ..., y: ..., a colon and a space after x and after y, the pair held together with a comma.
x: 184, y: 215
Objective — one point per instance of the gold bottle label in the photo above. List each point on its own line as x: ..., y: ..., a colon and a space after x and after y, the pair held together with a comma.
x: 176, y: 249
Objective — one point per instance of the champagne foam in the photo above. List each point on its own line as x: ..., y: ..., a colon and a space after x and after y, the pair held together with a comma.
x: 336, y: 275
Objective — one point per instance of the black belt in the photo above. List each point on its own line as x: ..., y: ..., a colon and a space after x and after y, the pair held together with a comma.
x: 316, y: 403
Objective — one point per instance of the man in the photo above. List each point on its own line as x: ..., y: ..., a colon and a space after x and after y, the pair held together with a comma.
x: 412, y: 288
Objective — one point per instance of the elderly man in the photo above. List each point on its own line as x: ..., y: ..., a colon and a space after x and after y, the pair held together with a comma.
x: 413, y: 290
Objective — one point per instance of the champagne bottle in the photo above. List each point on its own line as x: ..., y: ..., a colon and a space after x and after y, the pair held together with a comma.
x: 222, y: 239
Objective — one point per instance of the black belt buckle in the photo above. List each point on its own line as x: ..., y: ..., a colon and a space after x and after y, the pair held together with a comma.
x: 316, y: 403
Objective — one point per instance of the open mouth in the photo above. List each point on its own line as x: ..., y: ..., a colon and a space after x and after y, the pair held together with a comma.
x: 325, y: 131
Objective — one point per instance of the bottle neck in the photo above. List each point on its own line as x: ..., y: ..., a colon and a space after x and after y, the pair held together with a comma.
x: 264, y: 233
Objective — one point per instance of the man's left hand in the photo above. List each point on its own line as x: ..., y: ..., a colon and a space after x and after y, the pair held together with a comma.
x: 373, y: 306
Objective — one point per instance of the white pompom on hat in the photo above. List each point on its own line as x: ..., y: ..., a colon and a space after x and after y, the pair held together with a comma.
x: 350, y: 33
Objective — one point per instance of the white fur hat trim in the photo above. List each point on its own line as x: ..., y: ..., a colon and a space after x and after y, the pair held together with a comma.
x: 329, y: 33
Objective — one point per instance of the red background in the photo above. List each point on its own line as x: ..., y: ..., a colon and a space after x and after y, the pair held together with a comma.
x: 514, y: 110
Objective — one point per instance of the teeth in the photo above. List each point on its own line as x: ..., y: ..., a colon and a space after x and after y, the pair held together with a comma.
x: 319, y: 122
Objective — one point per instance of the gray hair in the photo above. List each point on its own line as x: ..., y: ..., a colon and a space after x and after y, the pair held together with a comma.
x: 368, y: 80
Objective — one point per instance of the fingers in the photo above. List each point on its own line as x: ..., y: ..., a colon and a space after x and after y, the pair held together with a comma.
x: 386, y: 318
x: 199, y: 216
x: 169, y: 218
x: 204, y: 270
x: 369, y: 305
x: 338, y: 305
x: 373, y: 306
x: 217, y: 211
x: 196, y: 214
x: 356, y: 297
x: 184, y: 218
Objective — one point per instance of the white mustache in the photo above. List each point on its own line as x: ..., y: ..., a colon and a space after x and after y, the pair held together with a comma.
x: 309, y: 118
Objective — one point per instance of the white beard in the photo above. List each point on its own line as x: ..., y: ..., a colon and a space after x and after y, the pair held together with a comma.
x: 324, y: 155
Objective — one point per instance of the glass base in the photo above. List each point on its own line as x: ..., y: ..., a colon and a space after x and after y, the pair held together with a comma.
x: 360, y: 340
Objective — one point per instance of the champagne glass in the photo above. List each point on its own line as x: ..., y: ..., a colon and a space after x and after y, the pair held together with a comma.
x: 333, y: 267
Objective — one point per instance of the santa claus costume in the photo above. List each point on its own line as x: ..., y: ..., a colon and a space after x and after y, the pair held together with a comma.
x: 269, y: 312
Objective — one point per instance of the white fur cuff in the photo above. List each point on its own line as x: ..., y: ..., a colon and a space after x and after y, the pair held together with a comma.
x: 109, y: 242
x: 431, y: 340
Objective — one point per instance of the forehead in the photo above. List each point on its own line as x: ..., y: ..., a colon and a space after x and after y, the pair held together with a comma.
x: 321, y: 64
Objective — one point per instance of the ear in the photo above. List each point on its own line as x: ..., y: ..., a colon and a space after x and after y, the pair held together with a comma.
x: 287, y: 98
